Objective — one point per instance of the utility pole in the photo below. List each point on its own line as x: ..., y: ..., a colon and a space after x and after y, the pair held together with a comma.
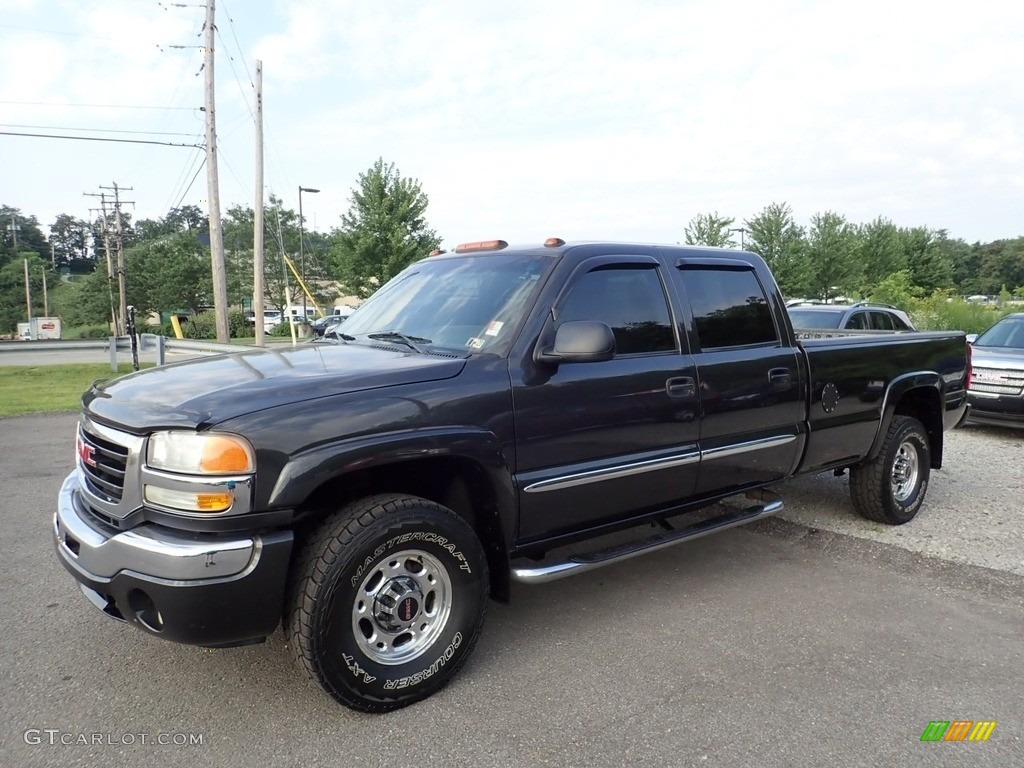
x: 46, y: 300
x: 122, y: 313
x: 257, y: 234
x: 106, y: 250
x: 220, y: 282
x: 28, y: 294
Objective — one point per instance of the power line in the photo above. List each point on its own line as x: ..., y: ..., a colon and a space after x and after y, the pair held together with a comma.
x: 58, y: 32
x: 189, y: 187
x: 99, y: 138
x: 92, y: 130
x: 241, y: 88
x: 238, y: 46
x: 180, y: 181
x: 95, y: 106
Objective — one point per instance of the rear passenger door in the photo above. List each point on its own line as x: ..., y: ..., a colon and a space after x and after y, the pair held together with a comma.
x: 750, y: 378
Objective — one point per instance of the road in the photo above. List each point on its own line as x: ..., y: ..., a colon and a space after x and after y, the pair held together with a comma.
x: 779, y: 645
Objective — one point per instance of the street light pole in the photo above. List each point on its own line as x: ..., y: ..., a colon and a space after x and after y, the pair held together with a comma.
x: 302, y: 257
x: 743, y: 231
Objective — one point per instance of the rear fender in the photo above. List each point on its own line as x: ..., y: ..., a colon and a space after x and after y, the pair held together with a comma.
x: 917, y: 394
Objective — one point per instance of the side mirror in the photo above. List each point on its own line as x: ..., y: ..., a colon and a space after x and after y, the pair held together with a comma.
x: 579, y: 341
x: 971, y: 338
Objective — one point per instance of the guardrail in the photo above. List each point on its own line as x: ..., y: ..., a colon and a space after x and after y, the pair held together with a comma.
x: 149, y: 343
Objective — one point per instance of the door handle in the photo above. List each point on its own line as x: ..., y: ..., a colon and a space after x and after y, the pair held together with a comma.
x: 780, y: 378
x: 681, y: 387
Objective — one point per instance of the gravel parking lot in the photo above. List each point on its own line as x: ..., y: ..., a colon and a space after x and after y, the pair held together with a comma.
x: 974, y: 512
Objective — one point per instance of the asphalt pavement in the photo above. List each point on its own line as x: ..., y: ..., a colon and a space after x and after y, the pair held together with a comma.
x: 776, y: 645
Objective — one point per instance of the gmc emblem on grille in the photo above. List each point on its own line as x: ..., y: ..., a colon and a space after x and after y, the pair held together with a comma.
x: 86, y: 453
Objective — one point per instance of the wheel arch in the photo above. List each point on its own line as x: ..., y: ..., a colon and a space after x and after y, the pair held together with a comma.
x: 919, y: 395
x: 463, y: 470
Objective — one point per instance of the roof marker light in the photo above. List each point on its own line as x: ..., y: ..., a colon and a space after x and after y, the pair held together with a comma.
x: 554, y: 242
x: 481, y: 245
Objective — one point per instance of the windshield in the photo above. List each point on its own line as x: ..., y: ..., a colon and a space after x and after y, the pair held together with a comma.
x: 815, y: 318
x: 1008, y: 332
x: 471, y: 304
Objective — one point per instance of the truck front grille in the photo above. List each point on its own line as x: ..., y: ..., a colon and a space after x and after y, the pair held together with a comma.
x: 998, y: 381
x: 103, y: 466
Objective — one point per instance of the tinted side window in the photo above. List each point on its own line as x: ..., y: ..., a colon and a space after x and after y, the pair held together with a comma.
x: 729, y: 307
x: 882, y: 321
x: 858, y: 321
x: 631, y: 302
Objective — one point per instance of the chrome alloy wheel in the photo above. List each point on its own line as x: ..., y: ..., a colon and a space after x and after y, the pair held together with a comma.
x: 905, y: 471
x: 401, y: 607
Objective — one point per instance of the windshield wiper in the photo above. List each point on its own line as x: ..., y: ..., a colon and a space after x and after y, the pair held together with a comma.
x: 413, y: 342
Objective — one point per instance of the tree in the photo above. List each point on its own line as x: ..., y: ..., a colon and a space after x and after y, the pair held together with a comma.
x: 832, y: 252
x: 95, y: 299
x: 881, y: 253
x: 170, y: 273
x: 929, y: 268
x: 776, y: 238
x: 896, y: 290
x: 12, y: 289
x: 709, y: 229
x: 19, y: 233
x: 187, y: 218
x: 69, y: 239
x: 965, y: 262
x: 1001, y: 263
x: 383, y: 231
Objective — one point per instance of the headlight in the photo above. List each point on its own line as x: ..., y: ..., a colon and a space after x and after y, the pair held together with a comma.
x: 200, y: 454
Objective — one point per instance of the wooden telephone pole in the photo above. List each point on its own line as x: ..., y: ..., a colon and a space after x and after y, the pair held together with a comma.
x: 220, y: 282
x: 257, y: 235
x: 122, y: 295
x: 110, y: 264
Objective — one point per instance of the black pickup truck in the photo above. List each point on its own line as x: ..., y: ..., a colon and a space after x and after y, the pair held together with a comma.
x: 491, y: 415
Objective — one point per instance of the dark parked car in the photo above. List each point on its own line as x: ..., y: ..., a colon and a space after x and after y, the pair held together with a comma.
x: 996, y: 391
x: 321, y: 325
x: 861, y: 317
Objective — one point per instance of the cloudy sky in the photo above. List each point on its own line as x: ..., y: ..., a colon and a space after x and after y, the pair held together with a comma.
x: 585, y: 120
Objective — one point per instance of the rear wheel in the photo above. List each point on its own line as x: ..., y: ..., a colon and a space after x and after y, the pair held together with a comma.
x: 387, y: 601
x: 891, y: 488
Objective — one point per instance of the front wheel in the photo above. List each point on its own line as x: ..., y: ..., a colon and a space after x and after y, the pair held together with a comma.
x: 891, y: 488
x: 387, y: 601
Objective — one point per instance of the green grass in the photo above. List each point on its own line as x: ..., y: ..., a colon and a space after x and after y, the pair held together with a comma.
x: 48, y: 388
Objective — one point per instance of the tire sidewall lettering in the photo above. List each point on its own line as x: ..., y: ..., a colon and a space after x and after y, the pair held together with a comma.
x: 427, y: 537
x: 430, y: 671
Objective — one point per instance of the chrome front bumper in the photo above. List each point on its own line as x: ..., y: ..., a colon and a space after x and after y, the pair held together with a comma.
x: 148, y: 549
x: 198, y: 588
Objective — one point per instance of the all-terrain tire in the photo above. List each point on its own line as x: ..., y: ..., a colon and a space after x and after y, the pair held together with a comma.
x: 891, y: 488
x: 386, y: 601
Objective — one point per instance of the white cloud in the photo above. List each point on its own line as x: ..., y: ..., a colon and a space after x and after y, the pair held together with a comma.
x: 536, y: 118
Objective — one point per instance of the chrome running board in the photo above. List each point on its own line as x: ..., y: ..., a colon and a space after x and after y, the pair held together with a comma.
x: 769, y: 504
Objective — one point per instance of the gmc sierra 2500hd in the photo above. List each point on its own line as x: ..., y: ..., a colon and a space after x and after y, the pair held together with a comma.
x: 485, y: 410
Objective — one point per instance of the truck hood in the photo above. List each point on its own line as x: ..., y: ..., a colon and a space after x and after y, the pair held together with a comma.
x: 202, y: 392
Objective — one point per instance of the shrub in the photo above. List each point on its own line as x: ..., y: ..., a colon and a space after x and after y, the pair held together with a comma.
x: 940, y: 312
x: 98, y: 331
x: 204, y: 326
